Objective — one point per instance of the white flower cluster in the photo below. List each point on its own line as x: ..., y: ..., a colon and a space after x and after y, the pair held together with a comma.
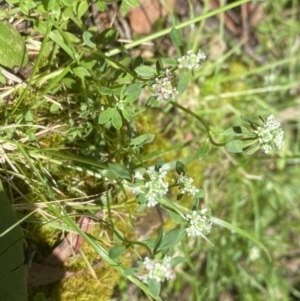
x: 191, y: 60
x: 155, y: 188
x: 158, y: 270
x: 165, y: 88
x: 200, y: 223
x: 120, y: 104
x: 185, y: 184
x: 270, y: 135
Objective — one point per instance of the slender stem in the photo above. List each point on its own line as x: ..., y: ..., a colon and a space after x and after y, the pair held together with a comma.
x: 181, y: 25
x: 205, y: 125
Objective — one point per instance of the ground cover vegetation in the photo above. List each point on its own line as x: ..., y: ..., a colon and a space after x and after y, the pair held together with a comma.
x: 149, y: 166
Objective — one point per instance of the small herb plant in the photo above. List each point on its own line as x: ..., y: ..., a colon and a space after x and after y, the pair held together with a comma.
x: 75, y: 128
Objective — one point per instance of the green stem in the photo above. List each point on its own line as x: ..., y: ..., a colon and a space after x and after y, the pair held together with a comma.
x: 205, y: 125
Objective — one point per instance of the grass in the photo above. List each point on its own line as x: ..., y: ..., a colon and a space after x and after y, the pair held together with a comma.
x: 71, y: 145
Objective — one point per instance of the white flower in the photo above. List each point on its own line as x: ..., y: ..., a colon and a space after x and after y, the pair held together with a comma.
x: 165, y: 87
x: 138, y: 175
x: 270, y: 135
x: 120, y: 105
x: 199, y: 222
x: 254, y: 253
x: 191, y: 60
x: 154, y: 188
x: 185, y: 184
x: 158, y: 270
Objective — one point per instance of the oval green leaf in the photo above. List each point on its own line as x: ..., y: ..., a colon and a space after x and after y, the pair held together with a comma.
x: 116, y: 251
x: 119, y: 170
x: 183, y: 81
x: 145, y: 71
x: 235, y: 146
x: 142, y: 139
x: 13, y: 51
x: 116, y: 120
x: 106, y: 115
x: 176, y: 38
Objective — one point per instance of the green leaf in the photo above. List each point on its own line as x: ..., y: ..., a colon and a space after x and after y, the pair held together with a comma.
x: 133, y: 3
x: 183, y: 81
x: 29, y: 117
x: 49, y: 4
x: 4, y: 14
x: 55, y: 108
x: 67, y: 2
x: 119, y: 170
x: 126, y: 114
x: 13, y: 272
x: 67, y: 13
x: 202, y: 151
x: 82, y: 8
x: 159, y: 164
x: 154, y: 287
x: 116, y: 251
x: 101, y: 5
x: 87, y: 38
x: 170, y: 61
x: 238, y: 146
x: 133, y: 91
x: 180, y: 168
x: 39, y: 297
x: 59, y: 40
x: 235, y: 131
x: 142, y: 139
x: 24, y: 8
x: 122, y: 91
x: 116, y: 120
x: 13, y: 51
x: 131, y: 271
x: 107, y: 36
x: 235, y: 146
x: 138, y: 62
x: 72, y: 38
x: 81, y: 72
x: 106, y: 115
x: 176, y: 217
x: 176, y: 39
x: 158, y: 241
x: 145, y: 71
x: 178, y: 260
x: 124, y: 8
x: 105, y: 91
x: 195, y: 203
x: 171, y: 239
x: 159, y: 66
x: 253, y: 149
x: 252, y: 124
